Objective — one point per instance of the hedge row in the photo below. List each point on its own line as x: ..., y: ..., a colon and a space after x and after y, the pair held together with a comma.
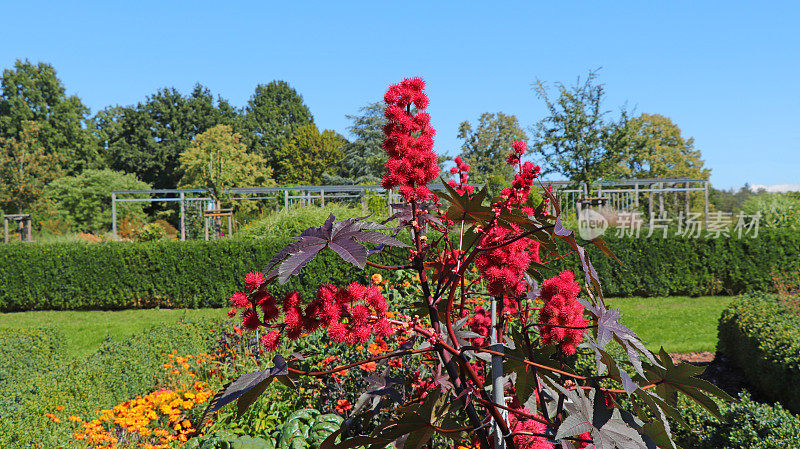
x: 118, y: 371
x: 686, y: 266
x: 204, y: 274
x: 79, y: 276
x: 763, y: 338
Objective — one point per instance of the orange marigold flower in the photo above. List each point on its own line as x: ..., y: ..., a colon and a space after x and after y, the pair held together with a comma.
x: 368, y: 367
x: 343, y: 405
x: 376, y: 278
x: 59, y: 407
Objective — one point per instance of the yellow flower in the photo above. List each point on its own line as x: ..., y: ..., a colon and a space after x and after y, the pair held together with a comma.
x: 377, y: 278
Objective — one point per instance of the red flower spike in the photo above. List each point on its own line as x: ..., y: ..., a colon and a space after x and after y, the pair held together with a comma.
x: 271, y: 340
x: 253, y: 280
x: 562, y: 309
x: 240, y: 301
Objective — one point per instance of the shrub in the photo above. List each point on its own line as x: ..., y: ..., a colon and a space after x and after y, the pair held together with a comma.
x: 778, y: 210
x: 27, y: 350
x: 150, y: 232
x: 748, y: 424
x: 763, y: 338
x: 117, y: 372
x: 85, y: 199
x: 113, y: 275
x: 289, y: 223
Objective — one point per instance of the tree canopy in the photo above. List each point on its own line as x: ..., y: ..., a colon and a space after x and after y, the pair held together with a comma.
x: 271, y: 117
x: 217, y: 159
x: 308, y: 156
x: 25, y: 169
x: 362, y: 159
x: 655, y: 148
x: 486, y: 147
x: 33, y: 93
x: 148, y: 138
x: 577, y: 139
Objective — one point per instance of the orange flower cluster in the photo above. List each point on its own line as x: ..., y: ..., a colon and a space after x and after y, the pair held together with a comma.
x: 154, y: 420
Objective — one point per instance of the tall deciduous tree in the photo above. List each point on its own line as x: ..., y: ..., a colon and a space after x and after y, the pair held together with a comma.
x: 576, y: 139
x: 148, y: 138
x: 217, y: 159
x: 485, y: 147
x: 308, y: 156
x: 655, y: 148
x: 364, y: 158
x: 272, y: 115
x: 33, y: 93
x: 25, y: 169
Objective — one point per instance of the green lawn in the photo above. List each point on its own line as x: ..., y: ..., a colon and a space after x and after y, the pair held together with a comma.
x: 85, y: 330
x: 679, y: 323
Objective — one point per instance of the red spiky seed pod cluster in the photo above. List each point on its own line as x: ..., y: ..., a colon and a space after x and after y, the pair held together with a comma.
x: 350, y: 314
x: 462, y: 170
x: 347, y: 312
x: 480, y: 323
x: 559, y: 294
x: 526, y: 426
x: 504, y: 267
x: 412, y: 163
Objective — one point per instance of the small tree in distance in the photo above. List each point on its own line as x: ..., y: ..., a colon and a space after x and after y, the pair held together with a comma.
x: 576, y: 139
x: 217, y: 160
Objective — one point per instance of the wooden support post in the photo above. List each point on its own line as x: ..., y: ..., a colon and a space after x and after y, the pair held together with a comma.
x: 29, y: 234
x: 286, y: 200
x: 322, y: 196
x: 705, y: 206
x: 661, y: 199
x: 114, y: 215
x: 389, y: 200
x: 650, y: 201
x: 183, y: 216
x: 230, y: 225
x: 205, y: 228
x: 636, y: 194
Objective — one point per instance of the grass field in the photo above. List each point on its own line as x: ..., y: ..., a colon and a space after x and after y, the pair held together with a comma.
x: 85, y: 330
x: 680, y: 324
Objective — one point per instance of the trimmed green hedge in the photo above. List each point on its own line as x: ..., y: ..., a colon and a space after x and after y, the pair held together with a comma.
x: 693, y: 267
x: 77, y: 276
x: 118, y: 371
x: 763, y: 338
x: 68, y: 276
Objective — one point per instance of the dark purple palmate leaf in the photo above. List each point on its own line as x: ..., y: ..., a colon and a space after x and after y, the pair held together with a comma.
x: 249, y: 385
x: 609, y: 428
x: 609, y: 327
x: 342, y: 237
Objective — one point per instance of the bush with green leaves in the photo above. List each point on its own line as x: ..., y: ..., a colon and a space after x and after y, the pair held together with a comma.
x: 777, y: 210
x: 762, y: 337
x: 84, y: 200
x: 288, y: 223
x: 151, y: 232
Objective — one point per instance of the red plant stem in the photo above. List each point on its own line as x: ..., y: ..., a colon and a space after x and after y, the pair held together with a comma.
x: 386, y: 267
x: 447, y: 359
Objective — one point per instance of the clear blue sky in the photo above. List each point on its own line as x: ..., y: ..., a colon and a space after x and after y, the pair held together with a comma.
x: 725, y: 72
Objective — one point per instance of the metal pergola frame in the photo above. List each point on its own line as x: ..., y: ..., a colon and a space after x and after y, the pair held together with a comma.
x: 622, y: 194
